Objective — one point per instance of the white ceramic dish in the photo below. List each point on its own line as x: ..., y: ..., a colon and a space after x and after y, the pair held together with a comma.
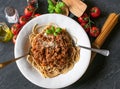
x: 62, y: 80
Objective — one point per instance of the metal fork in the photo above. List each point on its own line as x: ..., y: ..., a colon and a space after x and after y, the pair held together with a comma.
x: 100, y: 51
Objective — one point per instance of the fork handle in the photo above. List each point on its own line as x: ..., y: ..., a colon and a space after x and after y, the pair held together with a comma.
x: 100, y: 51
x: 4, y: 64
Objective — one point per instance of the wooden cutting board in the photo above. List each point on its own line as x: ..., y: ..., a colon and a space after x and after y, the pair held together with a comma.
x: 76, y: 7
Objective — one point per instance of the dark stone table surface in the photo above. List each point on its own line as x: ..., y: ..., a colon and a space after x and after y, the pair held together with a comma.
x: 103, y: 73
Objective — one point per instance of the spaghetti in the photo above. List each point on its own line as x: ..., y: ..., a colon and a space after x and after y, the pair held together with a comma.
x: 51, y: 54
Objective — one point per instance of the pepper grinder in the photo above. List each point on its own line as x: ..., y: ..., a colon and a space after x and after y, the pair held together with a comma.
x: 11, y: 14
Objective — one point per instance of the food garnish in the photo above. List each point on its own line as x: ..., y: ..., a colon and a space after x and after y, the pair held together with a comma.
x: 53, y: 30
x: 57, y: 7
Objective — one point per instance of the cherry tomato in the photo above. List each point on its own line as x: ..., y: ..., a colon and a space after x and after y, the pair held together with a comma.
x: 84, y: 18
x: 94, y: 31
x: 29, y: 10
x: 95, y: 12
x: 23, y: 20
x: 36, y: 15
x: 14, y: 39
x: 86, y: 26
x: 15, y: 28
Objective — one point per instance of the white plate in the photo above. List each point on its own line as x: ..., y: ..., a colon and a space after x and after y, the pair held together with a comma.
x: 62, y: 80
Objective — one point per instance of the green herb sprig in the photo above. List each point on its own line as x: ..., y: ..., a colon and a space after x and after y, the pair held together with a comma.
x: 55, y: 8
x: 53, y: 30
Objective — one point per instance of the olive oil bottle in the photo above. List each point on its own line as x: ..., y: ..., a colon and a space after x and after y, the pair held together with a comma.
x: 5, y: 33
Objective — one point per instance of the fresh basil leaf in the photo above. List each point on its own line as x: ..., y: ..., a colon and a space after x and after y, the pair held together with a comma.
x: 53, y: 29
x: 61, y: 4
x: 50, y: 2
x: 55, y: 34
x: 58, y: 30
x: 58, y: 10
x: 49, y: 31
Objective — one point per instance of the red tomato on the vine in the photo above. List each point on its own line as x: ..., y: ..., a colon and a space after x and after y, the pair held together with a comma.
x: 23, y: 20
x: 29, y: 10
x: 86, y: 26
x: 95, y: 12
x: 94, y: 31
x: 15, y: 28
x: 84, y: 18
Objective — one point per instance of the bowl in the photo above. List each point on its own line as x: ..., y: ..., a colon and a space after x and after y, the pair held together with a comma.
x: 63, y: 80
